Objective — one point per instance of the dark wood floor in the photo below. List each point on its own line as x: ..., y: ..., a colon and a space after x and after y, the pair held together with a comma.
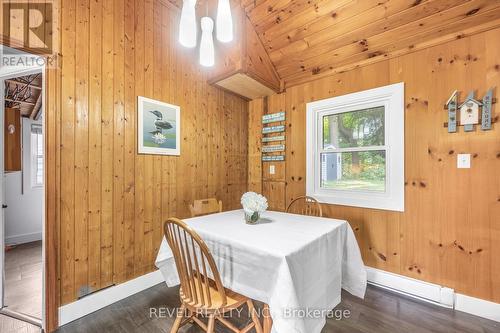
x: 380, y: 311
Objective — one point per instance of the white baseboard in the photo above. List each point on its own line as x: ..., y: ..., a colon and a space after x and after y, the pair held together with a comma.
x: 421, y: 290
x: 24, y: 238
x: 433, y: 293
x: 101, y: 299
x: 478, y: 307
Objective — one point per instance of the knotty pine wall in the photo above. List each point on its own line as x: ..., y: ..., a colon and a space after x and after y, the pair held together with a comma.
x: 449, y: 233
x: 108, y: 202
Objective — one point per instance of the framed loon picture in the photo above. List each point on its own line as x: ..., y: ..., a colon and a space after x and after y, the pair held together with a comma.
x: 158, y: 127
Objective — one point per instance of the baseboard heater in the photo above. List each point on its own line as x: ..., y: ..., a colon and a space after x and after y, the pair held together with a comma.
x: 433, y: 293
x: 422, y: 290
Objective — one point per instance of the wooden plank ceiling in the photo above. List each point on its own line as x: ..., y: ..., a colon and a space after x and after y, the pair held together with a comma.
x: 308, y: 39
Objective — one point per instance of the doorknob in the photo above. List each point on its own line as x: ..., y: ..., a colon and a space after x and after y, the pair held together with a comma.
x: 4, y: 206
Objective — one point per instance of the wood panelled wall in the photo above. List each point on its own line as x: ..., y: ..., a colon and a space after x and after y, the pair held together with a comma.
x: 107, y: 201
x: 449, y: 233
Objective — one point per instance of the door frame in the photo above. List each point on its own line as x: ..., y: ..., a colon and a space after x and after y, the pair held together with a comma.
x: 12, y: 74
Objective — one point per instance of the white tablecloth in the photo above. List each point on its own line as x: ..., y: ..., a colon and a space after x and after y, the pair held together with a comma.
x: 291, y: 262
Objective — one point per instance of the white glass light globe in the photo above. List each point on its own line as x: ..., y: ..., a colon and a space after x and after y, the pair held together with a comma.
x: 224, y: 22
x: 188, y: 27
x: 207, y: 51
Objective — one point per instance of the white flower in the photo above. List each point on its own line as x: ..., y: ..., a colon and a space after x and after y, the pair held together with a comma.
x: 253, y: 202
x: 159, y: 138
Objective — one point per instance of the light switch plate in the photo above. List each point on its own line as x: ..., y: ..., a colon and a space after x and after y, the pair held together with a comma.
x: 272, y: 170
x: 463, y: 161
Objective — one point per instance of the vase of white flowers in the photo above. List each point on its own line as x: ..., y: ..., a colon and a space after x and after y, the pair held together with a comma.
x: 254, y: 205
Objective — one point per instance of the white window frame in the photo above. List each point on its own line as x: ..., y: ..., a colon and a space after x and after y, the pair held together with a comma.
x: 34, y: 154
x: 392, y: 98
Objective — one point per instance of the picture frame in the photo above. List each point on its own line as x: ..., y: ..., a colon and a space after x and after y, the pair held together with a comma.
x: 158, y: 127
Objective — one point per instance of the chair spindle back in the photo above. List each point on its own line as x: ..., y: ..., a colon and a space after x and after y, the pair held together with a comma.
x: 194, y: 263
x: 305, y: 205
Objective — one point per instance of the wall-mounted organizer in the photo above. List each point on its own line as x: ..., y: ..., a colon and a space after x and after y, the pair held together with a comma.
x: 274, y: 117
x: 274, y: 137
x: 468, y: 114
x: 273, y: 148
x: 272, y: 158
x: 273, y: 129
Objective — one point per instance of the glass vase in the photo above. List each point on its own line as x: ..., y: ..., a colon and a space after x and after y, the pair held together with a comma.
x: 252, y: 218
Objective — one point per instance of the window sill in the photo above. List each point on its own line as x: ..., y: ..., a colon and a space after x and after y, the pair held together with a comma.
x: 381, y: 201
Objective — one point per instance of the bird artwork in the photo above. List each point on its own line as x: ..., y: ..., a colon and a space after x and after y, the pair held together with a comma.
x: 160, y: 124
x: 158, y: 127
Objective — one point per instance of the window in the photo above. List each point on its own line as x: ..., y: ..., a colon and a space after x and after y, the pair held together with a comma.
x: 355, y: 149
x: 36, y: 156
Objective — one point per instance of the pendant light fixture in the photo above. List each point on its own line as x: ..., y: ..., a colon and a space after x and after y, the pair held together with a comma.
x: 207, y: 51
x: 224, y: 22
x: 188, y: 27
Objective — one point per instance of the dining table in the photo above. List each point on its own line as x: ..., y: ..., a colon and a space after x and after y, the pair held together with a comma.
x: 295, y: 264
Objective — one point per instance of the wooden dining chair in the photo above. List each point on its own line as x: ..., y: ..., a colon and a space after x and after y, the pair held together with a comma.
x: 305, y: 205
x: 205, y: 206
x: 200, y: 295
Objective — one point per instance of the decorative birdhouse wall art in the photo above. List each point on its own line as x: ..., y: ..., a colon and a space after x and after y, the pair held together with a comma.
x: 467, y: 113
